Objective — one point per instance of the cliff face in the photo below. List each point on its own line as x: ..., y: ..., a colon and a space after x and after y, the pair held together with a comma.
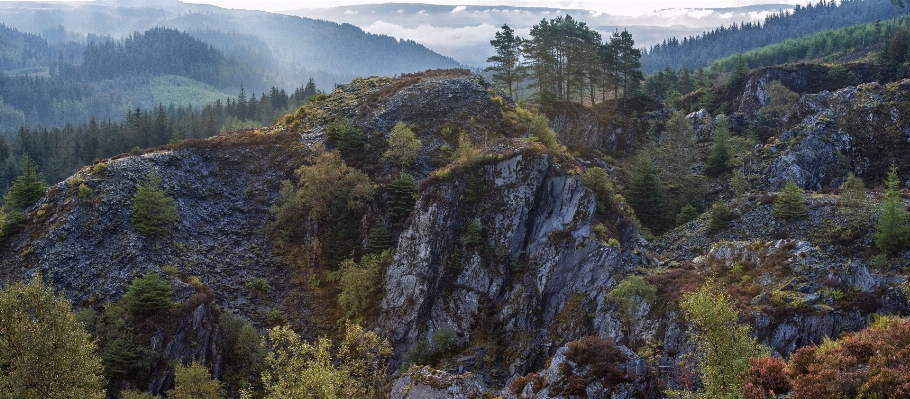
x: 536, y: 276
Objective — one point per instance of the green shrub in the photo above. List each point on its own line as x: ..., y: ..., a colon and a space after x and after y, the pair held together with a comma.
x: 154, y: 213
x: 719, y: 217
x: 149, y: 294
x: 136, y: 151
x: 539, y: 129
x: 790, y: 203
x: 739, y: 183
x: 360, y: 283
x: 259, y: 284
x: 445, y: 340
x: 598, y: 180
x: 623, y: 296
x: 170, y: 270
x: 100, y: 169
x: 276, y: 316
x: 85, y: 193
x: 473, y: 234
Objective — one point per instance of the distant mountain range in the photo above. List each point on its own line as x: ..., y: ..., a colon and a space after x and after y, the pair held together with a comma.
x: 301, y: 47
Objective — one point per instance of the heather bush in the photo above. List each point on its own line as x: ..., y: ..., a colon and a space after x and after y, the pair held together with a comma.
x: 588, y: 360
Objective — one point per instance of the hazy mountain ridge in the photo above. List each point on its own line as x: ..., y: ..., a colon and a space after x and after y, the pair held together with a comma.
x: 299, y: 44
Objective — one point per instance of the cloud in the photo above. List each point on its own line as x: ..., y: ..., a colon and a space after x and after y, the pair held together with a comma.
x: 350, y: 12
x: 422, y: 12
x: 469, y: 45
x: 459, y: 9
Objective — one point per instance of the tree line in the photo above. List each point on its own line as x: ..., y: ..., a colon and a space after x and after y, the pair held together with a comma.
x: 158, y: 51
x: 60, y: 151
x: 697, y: 51
x: 566, y: 60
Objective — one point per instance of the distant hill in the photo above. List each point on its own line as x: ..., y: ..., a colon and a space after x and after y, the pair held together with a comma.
x: 698, y: 51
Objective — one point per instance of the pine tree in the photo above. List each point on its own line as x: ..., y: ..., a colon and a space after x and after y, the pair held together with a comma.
x: 506, y: 67
x: 149, y: 294
x: 27, y: 189
x: 853, y: 192
x: 790, y: 203
x: 720, y: 151
x: 719, y: 217
x: 402, y: 197
x: 154, y: 213
x: 686, y: 214
x: 645, y: 193
x: 893, y: 224
x: 739, y: 74
x: 378, y: 240
x: 44, y: 351
x: 349, y: 139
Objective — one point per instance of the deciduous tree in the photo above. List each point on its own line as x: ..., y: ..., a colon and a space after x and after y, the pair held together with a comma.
x: 44, y: 351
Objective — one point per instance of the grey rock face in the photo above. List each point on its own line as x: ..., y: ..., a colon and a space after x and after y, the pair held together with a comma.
x: 90, y: 249
x: 537, y: 231
x: 426, y: 383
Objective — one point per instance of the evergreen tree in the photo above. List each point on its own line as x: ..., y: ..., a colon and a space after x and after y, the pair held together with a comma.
x: 686, y: 214
x: 790, y: 202
x: 149, y: 294
x: 154, y: 213
x: 27, y: 189
x: 853, y: 192
x: 645, y: 193
x: 719, y: 217
x: 720, y: 150
x: 539, y: 129
x: 402, y: 197
x: 349, y: 139
x: 628, y: 62
x: 378, y: 240
x: 739, y: 74
x: 506, y: 67
x: 893, y: 224
x: 44, y: 351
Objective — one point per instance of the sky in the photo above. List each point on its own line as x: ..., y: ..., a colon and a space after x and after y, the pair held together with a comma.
x: 615, y: 7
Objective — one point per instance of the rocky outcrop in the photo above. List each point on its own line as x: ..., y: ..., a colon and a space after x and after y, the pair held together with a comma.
x: 426, y: 383
x: 223, y: 188
x: 858, y: 129
x: 191, y: 339
x: 806, y: 79
x: 537, y: 275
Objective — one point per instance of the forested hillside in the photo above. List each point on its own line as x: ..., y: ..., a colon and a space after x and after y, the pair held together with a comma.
x: 699, y: 51
x: 329, y: 52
